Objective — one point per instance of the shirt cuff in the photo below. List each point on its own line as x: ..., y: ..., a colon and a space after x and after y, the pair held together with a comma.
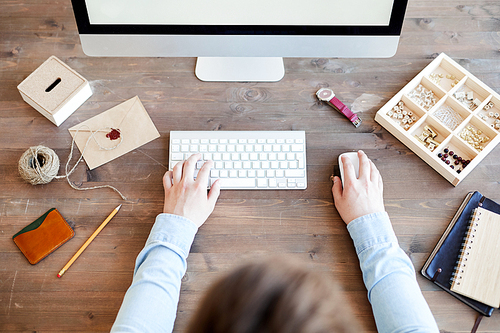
x: 372, y: 229
x: 177, y: 231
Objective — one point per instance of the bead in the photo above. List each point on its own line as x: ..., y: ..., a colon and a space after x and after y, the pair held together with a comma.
x: 455, y: 156
x: 443, y: 159
x: 458, y: 171
x: 446, y: 150
x: 440, y: 155
x: 456, y: 162
x: 451, y: 166
x: 447, y: 162
x: 452, y: 153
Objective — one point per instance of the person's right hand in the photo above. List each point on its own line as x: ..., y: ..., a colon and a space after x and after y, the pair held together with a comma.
x: 187, y: 197
x: 360, y: 196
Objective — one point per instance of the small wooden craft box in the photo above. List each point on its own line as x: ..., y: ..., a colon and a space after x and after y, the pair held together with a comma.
x: 55, y: 90
x: 445, y: 107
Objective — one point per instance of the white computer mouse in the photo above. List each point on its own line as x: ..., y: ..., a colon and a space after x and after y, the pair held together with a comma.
x: 353, y: 156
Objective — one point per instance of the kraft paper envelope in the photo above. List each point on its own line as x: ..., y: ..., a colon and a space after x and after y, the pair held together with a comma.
x: 129, y: 118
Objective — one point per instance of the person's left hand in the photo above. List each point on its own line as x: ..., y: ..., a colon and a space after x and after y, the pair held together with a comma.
x: 187, y: 197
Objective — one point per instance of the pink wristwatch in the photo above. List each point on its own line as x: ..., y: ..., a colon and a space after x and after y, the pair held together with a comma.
x: 327, y: 95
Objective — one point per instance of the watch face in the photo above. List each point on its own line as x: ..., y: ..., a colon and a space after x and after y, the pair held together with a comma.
x: 325, y: 94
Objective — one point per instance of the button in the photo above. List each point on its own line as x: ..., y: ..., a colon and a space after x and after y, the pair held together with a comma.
x: 261, y: 182
x: 177, y: 156
x: 237, y: 183
x: 296, y: 173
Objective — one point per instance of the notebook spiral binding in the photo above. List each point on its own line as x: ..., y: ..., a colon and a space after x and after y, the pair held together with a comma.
x: 467, y: 244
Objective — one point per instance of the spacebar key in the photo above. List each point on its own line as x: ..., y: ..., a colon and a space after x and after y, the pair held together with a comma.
x: 236, y: 182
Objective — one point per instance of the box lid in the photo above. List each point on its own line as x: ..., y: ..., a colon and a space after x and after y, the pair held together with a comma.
x: 52, y: 84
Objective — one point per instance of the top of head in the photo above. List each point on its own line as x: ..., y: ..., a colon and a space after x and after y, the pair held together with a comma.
x: 353, y: 157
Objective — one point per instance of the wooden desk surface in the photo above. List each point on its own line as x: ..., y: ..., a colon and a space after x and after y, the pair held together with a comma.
x: 245, y: 224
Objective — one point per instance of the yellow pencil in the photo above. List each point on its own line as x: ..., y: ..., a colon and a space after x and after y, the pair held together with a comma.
x: 91, y: 238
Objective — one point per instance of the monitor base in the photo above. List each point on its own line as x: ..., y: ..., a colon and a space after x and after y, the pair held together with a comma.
x: 240, y: 69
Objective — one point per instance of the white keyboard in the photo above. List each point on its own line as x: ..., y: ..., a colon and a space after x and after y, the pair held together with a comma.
x: 246, y: 159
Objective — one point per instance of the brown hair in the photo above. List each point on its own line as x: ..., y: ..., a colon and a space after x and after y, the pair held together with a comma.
x: 273, y: 296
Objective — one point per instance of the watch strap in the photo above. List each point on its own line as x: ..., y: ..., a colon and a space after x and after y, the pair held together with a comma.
x: 355, y: 120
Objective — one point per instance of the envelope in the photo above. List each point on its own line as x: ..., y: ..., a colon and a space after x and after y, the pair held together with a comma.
x: 132, y: 128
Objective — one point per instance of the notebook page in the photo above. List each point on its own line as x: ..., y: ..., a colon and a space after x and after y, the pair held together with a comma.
x: 478, y: 272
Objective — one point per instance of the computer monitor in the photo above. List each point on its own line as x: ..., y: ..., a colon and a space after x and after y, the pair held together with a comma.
x: 240, y: 40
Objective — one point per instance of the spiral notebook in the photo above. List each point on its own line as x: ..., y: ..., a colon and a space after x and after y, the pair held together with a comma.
x: 477, y: 274
x: 441, y: 264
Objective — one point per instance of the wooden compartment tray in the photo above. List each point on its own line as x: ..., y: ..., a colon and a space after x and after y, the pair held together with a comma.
x: 446, y: 116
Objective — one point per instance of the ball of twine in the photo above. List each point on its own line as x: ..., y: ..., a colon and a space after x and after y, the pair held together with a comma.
x: 39, y: 165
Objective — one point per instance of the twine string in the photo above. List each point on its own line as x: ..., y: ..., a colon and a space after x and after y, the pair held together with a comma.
x: 38, y: 172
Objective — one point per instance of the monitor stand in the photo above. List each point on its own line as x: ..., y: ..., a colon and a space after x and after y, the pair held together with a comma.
x: 240, y: 69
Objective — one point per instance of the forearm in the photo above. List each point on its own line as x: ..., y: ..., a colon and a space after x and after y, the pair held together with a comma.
x: 150, y: 304
x: 397, y: 302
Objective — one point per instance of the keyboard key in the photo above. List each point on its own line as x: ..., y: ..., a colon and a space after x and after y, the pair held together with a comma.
x: 297, y: 173
x: 177, y: 156
x: 236, y: 182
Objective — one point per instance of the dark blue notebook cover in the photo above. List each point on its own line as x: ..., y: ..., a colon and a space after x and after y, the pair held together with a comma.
x: 445, y: 254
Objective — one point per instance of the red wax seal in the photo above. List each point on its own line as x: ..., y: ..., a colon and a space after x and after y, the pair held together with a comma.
x: 114, y: 134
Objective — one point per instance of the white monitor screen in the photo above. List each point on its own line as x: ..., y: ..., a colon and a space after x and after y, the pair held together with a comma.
x: 241, y: 13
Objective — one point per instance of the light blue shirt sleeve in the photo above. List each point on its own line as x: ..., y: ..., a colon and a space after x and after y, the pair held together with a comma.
x: 150, y: 303
x: 397, y: 302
